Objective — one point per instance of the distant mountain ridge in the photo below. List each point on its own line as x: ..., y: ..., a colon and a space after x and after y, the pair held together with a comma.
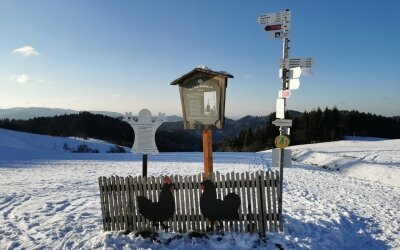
x: 20, y: 113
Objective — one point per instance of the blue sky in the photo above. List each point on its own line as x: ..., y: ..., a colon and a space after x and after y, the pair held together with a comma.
x: 122, y: 55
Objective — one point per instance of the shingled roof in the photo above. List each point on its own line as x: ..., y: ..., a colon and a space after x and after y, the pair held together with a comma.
x: 203, y: 70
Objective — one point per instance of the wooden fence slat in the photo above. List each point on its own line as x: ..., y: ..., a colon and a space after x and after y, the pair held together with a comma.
x: 259, y: 202
x: 173, y: 226
x: 224, y: 192
x: 139, y: 188
x: 196, y: 182
x: 135, y: 210
x: 254, y: 199
x: 147, y: 194
x: 102, y: 203
x: 120, y: 206
x: 111, y: 199
x: 280, y: 192
x: 249, y: 215
x: 192, y: 204
x: 274, y: 202
x: 269, y: 215
x: 129, y: 203
x: 243, y: 204
x: 119, y: 200
x: 187, y: 207
x: 107, y: 205
x: 171, y: 220
x: 177, y: 204
x: 233, y: 223
x: 183, y: 211
x: 113, y: 192
x: 202, y: 219
x: 218, y: 185
x: 262, y: 204
x: 124, y: 205
x: 238, y: 184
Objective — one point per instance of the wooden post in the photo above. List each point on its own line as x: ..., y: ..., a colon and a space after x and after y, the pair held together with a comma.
x: 144, y: 169
x: 207, y: 151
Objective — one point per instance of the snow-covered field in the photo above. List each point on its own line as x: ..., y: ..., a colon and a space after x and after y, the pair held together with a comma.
x: 50, y: 199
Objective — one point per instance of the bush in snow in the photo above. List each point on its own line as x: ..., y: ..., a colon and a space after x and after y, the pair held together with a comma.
x: 84, y: 149
x: 116, y: 149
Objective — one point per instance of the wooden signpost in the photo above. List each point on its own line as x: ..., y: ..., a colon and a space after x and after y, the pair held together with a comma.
x: 202, y: 94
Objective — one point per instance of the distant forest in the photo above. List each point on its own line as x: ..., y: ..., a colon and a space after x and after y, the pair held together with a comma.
x: 308, y: 127
x: 114, y: 130
x: 315, y: 126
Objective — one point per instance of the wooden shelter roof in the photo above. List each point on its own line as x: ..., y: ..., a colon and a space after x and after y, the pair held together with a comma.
x: 200, y: 69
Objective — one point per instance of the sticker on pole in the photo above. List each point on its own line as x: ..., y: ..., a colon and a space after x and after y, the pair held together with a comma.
x: 282, y: 141
x: 284, y: 93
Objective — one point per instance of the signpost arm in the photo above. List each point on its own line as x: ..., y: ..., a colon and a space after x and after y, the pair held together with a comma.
x: 207, y: 151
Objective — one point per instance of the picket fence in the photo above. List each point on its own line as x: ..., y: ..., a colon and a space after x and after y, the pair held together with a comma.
x: 260, y: 210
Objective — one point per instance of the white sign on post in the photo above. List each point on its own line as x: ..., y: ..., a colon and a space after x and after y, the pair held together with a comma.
x: 282, y: 123
x: 280, y: 108
x: 294, y: 84
x: 145, y: 131
x: 289, y: 63
x: 287, y: 157
x: 276, y: 17
x: 279, y: 34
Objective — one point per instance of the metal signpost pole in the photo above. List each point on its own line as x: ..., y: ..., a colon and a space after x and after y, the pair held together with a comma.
x: 144, y: 168
x: 285, y: 86
x: 278, y: 26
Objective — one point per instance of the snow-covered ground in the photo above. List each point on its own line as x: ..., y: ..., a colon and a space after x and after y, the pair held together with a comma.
x: 52, y: 201
x: 366, y: 158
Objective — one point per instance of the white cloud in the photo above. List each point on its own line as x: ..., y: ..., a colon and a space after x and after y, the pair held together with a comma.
x: 21, y: 79
x: 26, y: 51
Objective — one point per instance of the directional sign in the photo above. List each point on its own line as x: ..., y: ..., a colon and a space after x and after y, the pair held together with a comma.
x: 277, y: 17
x: 282, y: 141
x: 273, y: 27
x: 282, y: 123
x: 277, y: 27
x: 289, y: 63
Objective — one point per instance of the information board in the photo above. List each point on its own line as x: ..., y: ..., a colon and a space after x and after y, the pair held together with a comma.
x: 202, y: 101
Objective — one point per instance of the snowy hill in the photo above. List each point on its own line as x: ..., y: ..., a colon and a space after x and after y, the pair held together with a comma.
x: 367, y: 158
x: 52, y: 201
x: 25, y: 146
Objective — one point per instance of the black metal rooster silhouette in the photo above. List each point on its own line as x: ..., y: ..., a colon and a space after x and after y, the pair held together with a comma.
x: 163, y: 209
x: 215, y: 209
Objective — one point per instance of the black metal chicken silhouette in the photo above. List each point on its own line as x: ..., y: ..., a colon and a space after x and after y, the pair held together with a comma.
x: 163, y: 209
x: 215, y: 209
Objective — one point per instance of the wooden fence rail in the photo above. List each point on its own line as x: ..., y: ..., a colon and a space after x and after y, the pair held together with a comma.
x: 258, y: 192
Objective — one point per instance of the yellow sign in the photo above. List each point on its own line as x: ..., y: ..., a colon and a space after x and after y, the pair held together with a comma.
x: 282, y: 141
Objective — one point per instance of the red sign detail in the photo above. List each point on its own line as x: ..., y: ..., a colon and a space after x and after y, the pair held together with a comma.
x: 273, y: 27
